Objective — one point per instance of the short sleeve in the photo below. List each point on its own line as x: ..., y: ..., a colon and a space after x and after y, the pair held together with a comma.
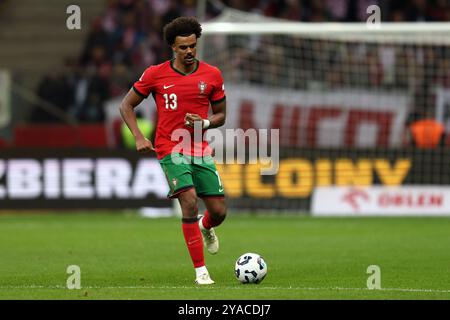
x: 218, y: 92
x: 144, y: 85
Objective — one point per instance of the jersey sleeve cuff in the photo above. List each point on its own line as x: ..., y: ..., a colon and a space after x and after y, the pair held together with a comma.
x: 139, y: 93
x: 218, y: 101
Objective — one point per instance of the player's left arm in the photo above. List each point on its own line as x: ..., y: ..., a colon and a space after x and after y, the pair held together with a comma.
x: 217, y: 119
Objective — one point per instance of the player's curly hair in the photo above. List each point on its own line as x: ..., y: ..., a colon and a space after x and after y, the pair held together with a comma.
x: 181, y: 26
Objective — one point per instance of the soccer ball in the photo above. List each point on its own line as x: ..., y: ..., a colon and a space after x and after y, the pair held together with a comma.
x: 250, y: 268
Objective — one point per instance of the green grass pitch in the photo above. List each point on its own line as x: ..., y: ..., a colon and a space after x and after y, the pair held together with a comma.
x: 125, y: 256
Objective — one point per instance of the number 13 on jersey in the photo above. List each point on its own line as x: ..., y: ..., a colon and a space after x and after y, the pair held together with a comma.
x: 171, y: 101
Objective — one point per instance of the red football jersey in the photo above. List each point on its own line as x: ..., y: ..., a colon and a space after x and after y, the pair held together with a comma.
x: 176, y: 94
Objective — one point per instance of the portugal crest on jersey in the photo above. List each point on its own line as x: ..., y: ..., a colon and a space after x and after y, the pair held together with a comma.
x: 202, y: 86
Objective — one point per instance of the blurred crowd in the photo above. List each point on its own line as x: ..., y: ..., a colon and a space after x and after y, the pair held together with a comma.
x: 127, y: 38
x: 322, y: 64
x: 347, y: 10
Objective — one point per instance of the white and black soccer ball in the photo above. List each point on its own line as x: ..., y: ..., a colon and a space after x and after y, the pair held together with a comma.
x: 250, y: 268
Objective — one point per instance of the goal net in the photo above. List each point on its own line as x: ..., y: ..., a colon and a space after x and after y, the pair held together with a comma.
x: 342, y: 97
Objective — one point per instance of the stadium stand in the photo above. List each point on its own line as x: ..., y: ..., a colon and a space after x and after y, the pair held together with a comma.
x: 119, y: 38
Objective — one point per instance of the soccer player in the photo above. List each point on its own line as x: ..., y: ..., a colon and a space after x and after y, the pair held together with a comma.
x: 184, y: 89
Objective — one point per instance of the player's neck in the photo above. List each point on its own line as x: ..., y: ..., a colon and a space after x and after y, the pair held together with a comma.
x: 182, y: 68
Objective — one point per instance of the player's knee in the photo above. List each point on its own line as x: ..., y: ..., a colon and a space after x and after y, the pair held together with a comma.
x: 191, y: 206
x: 218, y: 212
x: 223, y: 211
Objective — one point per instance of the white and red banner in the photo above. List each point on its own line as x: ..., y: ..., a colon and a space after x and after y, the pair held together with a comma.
x: 381, y: 201
x: 334, y: 118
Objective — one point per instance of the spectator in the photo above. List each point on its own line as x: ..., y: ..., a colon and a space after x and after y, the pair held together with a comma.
x: 338, y: 9
x: 128, y: 37
x: 418, y: 11
x: 318, y: 12
x: 173, y: 11
x: 54, y: 89
x: 292, y: 11
x: 97, y: 38
x: 110, y: 19
x: 92, y: 96
x: 120, y: 81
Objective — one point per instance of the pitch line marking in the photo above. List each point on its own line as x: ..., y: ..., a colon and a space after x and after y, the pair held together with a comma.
x: 235, y: 288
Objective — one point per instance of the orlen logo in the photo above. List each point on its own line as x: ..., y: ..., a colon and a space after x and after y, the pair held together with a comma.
x: 354, y: 197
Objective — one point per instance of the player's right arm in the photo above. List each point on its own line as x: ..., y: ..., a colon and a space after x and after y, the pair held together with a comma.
x: 129, y: 102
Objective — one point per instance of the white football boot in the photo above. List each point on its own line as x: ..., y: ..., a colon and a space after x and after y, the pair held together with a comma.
x: 202, y: 276
x: 209, y: 238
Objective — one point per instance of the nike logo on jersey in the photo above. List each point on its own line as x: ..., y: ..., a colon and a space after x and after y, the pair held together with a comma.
x: 167, y: 87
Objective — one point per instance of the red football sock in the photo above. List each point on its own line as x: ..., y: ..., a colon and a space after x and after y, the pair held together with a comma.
x: 209, y: 223
x: 194, y: 242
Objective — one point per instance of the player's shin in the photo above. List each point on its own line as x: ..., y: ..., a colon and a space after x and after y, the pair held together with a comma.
x: 193, y: 239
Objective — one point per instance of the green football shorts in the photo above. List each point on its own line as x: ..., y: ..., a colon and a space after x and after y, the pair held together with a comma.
x: 184, y: 172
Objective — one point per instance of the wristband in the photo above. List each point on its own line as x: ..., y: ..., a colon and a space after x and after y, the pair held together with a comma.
x: 206, y: 123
